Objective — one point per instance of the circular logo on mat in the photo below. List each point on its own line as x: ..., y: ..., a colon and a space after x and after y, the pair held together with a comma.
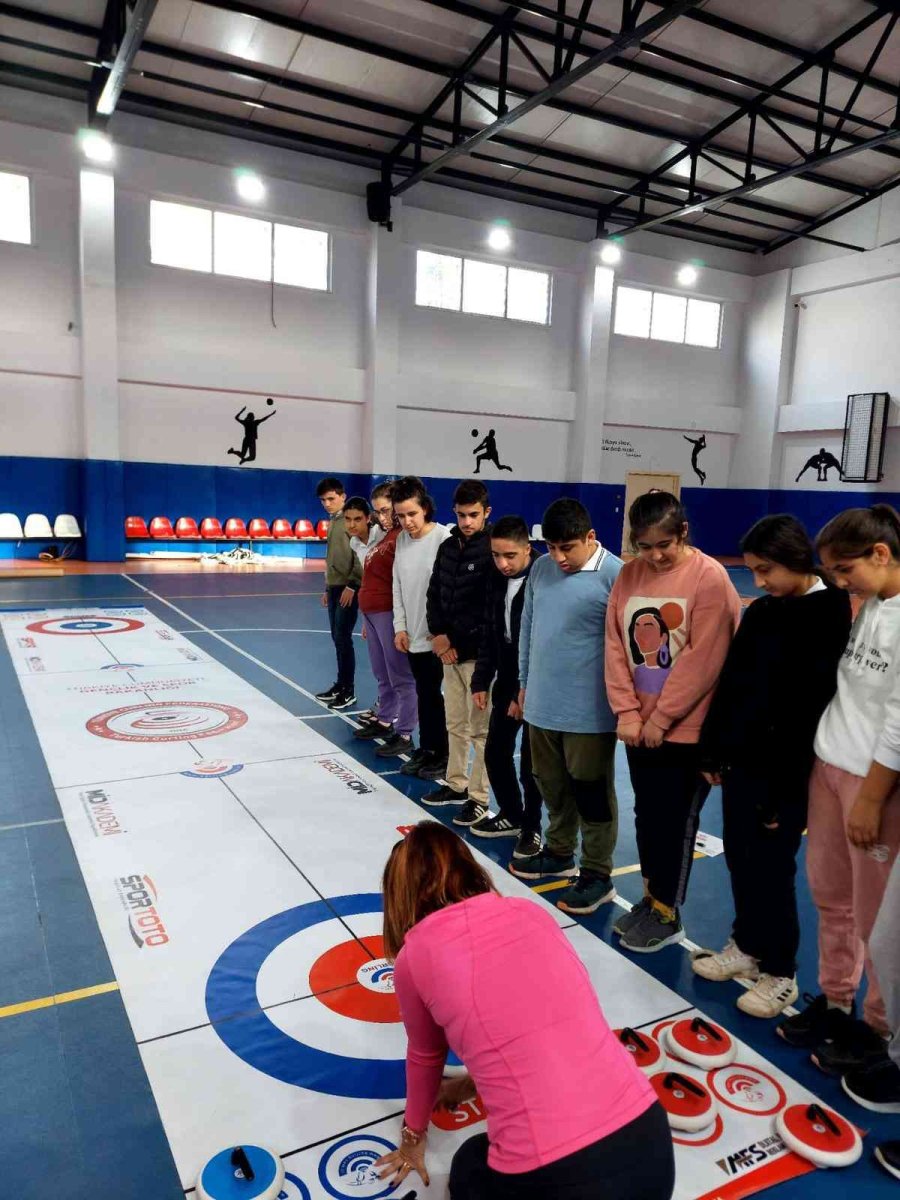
x: 121, y: 666
x: 350, y: 981
x: 213, y: 768
x: 82, y: 626
x: 377, y: 976
x: 348, y: 1167
x: 747, y: 1090
x: 171, y: 721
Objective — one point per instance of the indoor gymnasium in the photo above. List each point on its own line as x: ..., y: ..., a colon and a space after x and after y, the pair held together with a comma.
x: 482, y: 782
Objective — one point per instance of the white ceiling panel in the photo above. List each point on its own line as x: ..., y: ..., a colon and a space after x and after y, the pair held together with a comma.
x: 312, y: 104
x: 352, y: 138
x: 230, y: 80
x: 169, y: 20
x: 239, y: 36
x: 170, y: 91
x: 364, y: 73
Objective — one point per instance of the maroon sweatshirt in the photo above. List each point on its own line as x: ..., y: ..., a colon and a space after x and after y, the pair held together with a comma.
x: 377, y: 592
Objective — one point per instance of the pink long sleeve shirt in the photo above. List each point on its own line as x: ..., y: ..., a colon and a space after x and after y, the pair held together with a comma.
x: 667, y: 635
x: 495, y: 979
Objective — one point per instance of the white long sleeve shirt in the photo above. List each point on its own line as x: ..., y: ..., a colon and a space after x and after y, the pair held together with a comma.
x: 413, y: 565
x: 862, y: 722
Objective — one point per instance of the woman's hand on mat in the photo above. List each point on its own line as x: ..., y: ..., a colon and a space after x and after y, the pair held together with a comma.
x: 347, y: 596
x: 401, y: 641
x: 864, y: 822
x: 440, y: 644
x: 456, y: 1091
x: 630, y: 731
x: 397, y: 1166
x: 652, y: 736
x: 479, y: 699
x: 514, y: 710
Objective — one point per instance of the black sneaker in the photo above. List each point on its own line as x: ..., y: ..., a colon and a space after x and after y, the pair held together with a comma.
x: 367, y: 717
x: 560, y: 866
x: 495, y: 827
x: 373, y: 729
x: 398, y: 744
x: 529, y: 845
x: 433, y: 768
x: 855, y: 1046
x: 329, y: 693
x: 876, y: 1087
x: 587, y: 893
x: 416, y: 760
x: 888, y: 1156
x: 470, y: 812
x: 344, y: 699
x: 443, y: 796
x: 816, y: 1024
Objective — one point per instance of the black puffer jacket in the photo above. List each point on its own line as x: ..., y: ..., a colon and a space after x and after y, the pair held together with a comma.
x: 458, y: 590
x: 498, y: 657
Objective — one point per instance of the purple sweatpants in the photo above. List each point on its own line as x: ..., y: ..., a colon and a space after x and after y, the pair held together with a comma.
x: 396, y: 686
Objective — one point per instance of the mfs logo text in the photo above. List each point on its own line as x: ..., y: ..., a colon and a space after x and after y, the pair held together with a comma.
x: 138, y: 896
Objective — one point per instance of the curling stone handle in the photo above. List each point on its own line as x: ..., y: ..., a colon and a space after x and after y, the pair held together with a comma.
x: 684, y: 1081
x: 631, y: 1035
x: 698, y: 1023
x: 240, y: 1160
x: 816, y: 1112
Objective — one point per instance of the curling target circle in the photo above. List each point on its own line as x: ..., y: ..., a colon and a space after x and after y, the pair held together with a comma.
x: 253, y: 1035
x: 747, y: 1090
x: 84, y: 626
x: 348, y: 1167
x: 349, y: 981
x: 167, y: 721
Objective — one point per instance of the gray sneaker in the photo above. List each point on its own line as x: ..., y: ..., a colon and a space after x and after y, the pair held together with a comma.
x: 624, y: 922
x: 653, y: 932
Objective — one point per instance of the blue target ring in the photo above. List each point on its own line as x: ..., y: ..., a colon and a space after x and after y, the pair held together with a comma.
x: 233, y: 1009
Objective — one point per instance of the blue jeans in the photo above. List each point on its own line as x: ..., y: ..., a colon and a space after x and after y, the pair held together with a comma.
x: 342, y: 622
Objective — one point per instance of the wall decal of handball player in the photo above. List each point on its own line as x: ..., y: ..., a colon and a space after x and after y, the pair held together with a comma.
x: 251, y: 424
x: 486, y: 451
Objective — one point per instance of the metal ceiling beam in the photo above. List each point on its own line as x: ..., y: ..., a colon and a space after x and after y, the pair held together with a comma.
x: 124, y: 24
x: 426, y: 65
x: 807, y: 228
x: 628, y: 37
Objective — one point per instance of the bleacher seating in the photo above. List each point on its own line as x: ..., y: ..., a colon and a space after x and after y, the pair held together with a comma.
x: 322, y: 530
x: 37, y: 526
x: 136, y: 527
x: 259, y: 528
x: 211, y: 529
x: 66, y: 526
x: 282, y: 529
x: 236, y: 530
x: 186, y: 528
x: 10, y: 527
x: 304, y: 529
x: 161, y: 528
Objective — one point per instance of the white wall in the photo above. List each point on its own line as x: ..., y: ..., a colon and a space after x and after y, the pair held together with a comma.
x: 437, y: 443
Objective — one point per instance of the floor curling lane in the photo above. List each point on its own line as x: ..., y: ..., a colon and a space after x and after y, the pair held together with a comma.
x: 233, y: 864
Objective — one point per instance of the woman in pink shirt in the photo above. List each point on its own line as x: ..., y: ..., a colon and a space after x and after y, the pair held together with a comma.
x: 672, y: 614
x: 493, y: 977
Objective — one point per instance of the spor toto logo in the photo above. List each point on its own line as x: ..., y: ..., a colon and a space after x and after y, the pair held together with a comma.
x: 167, y: 721
x: 84, y: 626
x: 348, y: 1167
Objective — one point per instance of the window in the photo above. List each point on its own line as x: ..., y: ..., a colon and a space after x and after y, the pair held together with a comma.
x: 15, y: 208
x: 665, y: 317
x: 199, y: 239
x: 488, y: 289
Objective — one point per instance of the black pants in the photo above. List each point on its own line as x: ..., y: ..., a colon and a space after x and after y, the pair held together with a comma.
x: 499, y: 750
x: 428, y: 672
x: 342, y: 622
x: 763, y: 864
x: 634, y: 1163
x: 669, y: 792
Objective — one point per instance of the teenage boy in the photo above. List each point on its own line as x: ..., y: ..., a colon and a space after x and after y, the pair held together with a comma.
x: 572, y: 727
x: 343, y: 576
x: 499, y: 656
x: 455, y: 615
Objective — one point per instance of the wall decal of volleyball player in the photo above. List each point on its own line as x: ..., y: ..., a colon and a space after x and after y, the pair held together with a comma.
x: 821, y: 463
x: 486, y: 451
x: 251, y: 424
x: 699, y: 445
x: 655, y: 637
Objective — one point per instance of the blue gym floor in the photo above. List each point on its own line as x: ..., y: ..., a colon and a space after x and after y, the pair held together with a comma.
x: 77, y: 1119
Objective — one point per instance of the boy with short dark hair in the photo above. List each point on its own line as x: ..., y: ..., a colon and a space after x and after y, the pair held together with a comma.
x: 572, y: 727
x: 455, y: 616
x: 498, y: 661
x: 343, y: 576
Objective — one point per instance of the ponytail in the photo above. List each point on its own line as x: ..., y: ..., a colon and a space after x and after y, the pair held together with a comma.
x: 853, y: 534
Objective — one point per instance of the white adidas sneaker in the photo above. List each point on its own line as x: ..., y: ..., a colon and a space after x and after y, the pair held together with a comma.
x: 729, y: 963
x: 769, y: 996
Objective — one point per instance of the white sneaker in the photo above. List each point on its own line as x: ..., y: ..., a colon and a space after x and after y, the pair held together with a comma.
x: 769, y: 996
x: 730, y: 963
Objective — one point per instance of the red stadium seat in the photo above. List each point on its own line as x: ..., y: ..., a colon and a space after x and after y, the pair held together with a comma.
x: 304, y: 529
x: 136, y: 527
x: 186, y: 527
x: 211, y: 529
x: 161, y: 527
x: 281, y: 529
x: 322, y: 530
x: 236, y: 529
x: 259, y: 528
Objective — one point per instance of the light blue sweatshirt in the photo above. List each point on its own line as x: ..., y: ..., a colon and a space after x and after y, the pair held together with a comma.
x: 561, y: 646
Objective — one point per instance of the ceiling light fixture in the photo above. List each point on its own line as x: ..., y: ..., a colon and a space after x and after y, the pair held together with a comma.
x: 688, y: 275
x: 499, y: 236
x: 96, y: 147
x: 250, y: 187
x: 610, y: 253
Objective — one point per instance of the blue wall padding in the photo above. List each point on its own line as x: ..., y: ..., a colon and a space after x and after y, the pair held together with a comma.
x: 101, y: 494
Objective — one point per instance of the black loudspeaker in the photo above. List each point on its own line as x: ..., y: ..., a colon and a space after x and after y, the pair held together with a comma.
x: 378, y: 202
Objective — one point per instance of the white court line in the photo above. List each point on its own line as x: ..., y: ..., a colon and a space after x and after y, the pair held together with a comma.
x: 32, y: 824
x: 260, y: 629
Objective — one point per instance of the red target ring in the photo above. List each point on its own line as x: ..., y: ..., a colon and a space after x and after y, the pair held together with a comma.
x: 355, y: 980
x: 167, y: 721
x: 85, y: 626
x: 747, y: 1090
x: 717, y: 1130
x: 819, y: 1135
x: 688, y: 1103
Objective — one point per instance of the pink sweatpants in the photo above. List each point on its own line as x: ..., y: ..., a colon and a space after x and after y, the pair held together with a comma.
x: 847, y: 885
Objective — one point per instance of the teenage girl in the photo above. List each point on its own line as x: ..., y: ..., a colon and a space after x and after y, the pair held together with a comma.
x: 671, y: 617
x: 757, y: 741
x: 395, y: 715
x: 854, y: 798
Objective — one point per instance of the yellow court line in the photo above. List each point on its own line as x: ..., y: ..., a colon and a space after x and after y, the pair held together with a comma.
x: 561, y: 883
x: 13, y: 1010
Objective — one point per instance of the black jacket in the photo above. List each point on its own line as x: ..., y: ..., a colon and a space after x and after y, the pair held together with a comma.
x: 778, y: 678
x: 456, y: 593
x: 496, y: 655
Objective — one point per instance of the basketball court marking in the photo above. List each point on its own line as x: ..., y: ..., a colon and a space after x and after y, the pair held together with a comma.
x: 31, y: 824
x: 99, y: 989
x: 247, y: 954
